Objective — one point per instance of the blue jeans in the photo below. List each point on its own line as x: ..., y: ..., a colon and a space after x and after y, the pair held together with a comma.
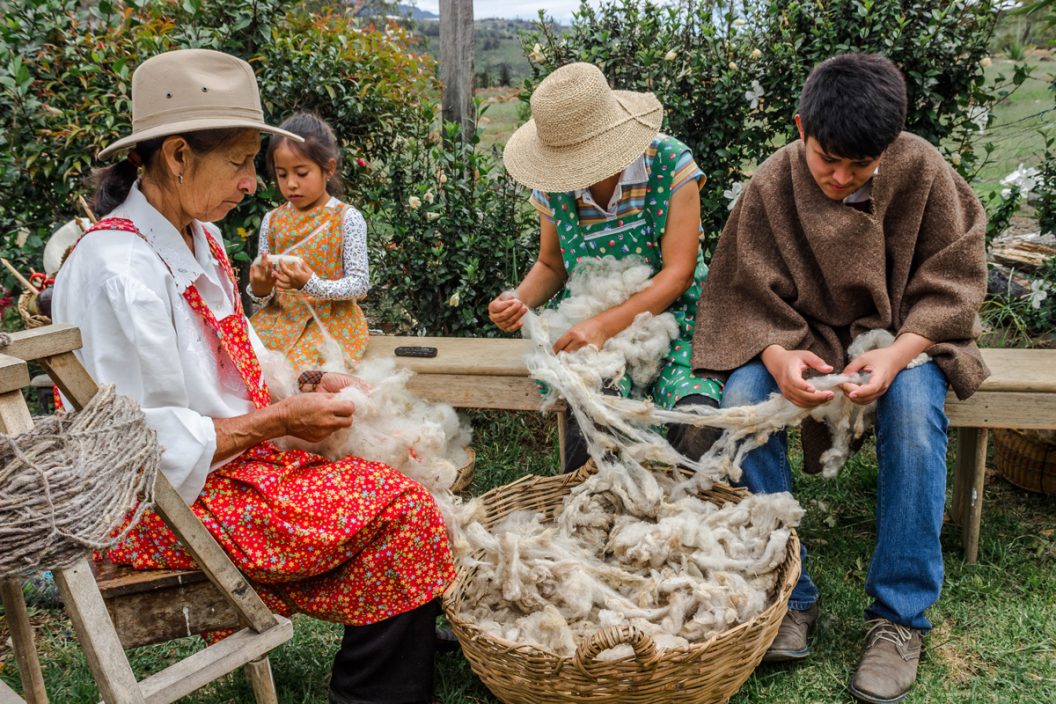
x: 906, y: 572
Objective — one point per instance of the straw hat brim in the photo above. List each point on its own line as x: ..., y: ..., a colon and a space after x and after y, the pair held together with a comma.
x: 552, y: 169
x: 212, y: 123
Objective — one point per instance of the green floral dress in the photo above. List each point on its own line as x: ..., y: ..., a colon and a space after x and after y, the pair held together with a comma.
x: 638, y: 232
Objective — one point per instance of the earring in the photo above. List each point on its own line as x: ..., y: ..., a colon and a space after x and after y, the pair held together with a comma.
x: 179, y: 178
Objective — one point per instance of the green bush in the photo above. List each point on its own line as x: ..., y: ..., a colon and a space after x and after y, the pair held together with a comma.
x: 65, y: 69
x: 449, y: 230
x: 729, y: 73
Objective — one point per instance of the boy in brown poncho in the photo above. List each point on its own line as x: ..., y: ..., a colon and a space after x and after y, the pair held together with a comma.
x: 855, y: 227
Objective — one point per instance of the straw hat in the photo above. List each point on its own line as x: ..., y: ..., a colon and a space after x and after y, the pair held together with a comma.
x: 581, y: 131
x: 191, y: 90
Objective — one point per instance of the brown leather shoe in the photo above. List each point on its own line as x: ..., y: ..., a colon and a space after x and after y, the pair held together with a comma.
x: 888, y: 666
x: 791, y: 641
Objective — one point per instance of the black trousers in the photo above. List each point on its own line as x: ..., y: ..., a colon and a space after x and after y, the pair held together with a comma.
x: 389, y: 662
x: 691, y: 441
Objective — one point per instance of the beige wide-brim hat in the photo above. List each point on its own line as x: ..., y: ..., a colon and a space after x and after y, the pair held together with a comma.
x: 581, y: 131
x: 190, y: 90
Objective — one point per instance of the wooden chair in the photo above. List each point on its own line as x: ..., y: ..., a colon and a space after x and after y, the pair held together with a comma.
x: 52, y: 347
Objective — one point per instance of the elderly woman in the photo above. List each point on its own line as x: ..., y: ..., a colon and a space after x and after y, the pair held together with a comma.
x: 353, y: 541
x: 607, y: 183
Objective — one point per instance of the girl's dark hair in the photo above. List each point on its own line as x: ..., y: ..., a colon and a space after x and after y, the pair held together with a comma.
x: 111, y: 184
x: 320, y: 145
x: 854, y: 105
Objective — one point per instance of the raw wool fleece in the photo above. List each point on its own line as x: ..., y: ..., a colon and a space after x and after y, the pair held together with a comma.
x: 629, y: 545
x: 425, y: 441
x: 678, y: 570
x: 620, y: 432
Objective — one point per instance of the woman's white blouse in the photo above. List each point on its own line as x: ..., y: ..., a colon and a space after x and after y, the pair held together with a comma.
x: 141, y: 335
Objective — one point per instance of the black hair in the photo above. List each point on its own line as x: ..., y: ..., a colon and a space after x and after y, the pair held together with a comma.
x: 854, y: 105
x: 320, y: 145
x: 112, y: 184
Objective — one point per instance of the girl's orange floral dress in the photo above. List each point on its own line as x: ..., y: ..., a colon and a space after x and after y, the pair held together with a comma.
x: 295, y: 322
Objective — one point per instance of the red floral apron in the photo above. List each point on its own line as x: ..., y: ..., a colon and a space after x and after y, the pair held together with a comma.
x: 352, y: 541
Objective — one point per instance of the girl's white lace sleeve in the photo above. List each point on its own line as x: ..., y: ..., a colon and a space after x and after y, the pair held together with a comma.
x: 355, y: 280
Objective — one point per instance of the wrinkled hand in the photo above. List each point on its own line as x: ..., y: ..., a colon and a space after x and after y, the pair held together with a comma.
x: 313, y: 417
x: 589, y: 332
x: 506, y: 312
x: 292, y: 275
x: 261, y: 277
x: 335, y: 381
x: 787, y: 367
x: 882, y: 365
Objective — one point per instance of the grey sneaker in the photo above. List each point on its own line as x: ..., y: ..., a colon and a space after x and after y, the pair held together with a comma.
x: 791, y: 641
x: 888, y: 666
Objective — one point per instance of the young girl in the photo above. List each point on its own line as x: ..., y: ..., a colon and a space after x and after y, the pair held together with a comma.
x: 303, y: 303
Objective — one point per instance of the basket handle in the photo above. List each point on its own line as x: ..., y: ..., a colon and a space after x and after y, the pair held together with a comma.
x: 606, y: 638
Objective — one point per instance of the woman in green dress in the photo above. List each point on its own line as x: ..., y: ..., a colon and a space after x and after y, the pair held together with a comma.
x: 607, y: 183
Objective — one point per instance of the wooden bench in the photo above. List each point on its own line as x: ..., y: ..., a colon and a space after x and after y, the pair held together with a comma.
x: 1020, y: 393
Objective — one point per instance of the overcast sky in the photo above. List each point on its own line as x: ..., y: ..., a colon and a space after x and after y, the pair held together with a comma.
x: 560, y: 10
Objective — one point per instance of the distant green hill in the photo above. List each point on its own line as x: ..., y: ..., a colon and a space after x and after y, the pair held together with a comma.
x: 498, y: 57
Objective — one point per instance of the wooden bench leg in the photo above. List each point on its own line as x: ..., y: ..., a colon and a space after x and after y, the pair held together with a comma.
x: 258, y: 672
x: 968, y: 487
x: 562, y: 424
x: 22, y: 636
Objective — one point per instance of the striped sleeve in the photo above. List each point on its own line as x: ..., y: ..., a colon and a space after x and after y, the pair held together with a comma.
x: 686, y: 170
x: 541, y: 202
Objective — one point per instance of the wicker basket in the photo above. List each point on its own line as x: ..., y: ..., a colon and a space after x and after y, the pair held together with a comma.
x: 465, y: 472
x: 1026, y: 461
x: 708, y: 672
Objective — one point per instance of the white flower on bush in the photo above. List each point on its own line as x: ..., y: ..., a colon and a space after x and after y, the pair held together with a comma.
x: 733, y: 194
x: 733, y: 66
x: 754, y: 95
x: 441, y: 177
x: 432, y: 216
x: 414, y: 202
x: 739, y: 22
x: 756, y: 54
x: 1039, y: 291
x: 1026, y: 179
x: 428, y: 197
x: 670, y: 55
x: 536, y: 54
x: 454, y: 300
x: 980, y: 116
x: 985, y: 62
x: 955, y: 159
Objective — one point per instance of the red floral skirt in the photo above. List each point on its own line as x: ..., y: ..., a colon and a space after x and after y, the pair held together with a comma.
x: 352, y: 541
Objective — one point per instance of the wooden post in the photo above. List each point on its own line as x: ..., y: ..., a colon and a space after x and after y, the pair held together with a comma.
x: 456, y: 62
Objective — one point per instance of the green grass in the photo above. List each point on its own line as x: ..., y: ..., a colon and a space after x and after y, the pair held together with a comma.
x: 995, y: 625
x: 501, y: 117
x: 1014, y: 131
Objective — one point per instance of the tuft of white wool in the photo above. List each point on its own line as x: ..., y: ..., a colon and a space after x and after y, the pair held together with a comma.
x: 424, y: 441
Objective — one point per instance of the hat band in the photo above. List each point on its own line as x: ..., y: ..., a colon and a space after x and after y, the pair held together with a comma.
x: 611, y: 126
x: 195, y: 112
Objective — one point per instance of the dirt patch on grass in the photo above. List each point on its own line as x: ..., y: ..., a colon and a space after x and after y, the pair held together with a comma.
x: 961, y: 660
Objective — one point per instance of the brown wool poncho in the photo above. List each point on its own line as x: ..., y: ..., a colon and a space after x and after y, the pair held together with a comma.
x: 797, y: 269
